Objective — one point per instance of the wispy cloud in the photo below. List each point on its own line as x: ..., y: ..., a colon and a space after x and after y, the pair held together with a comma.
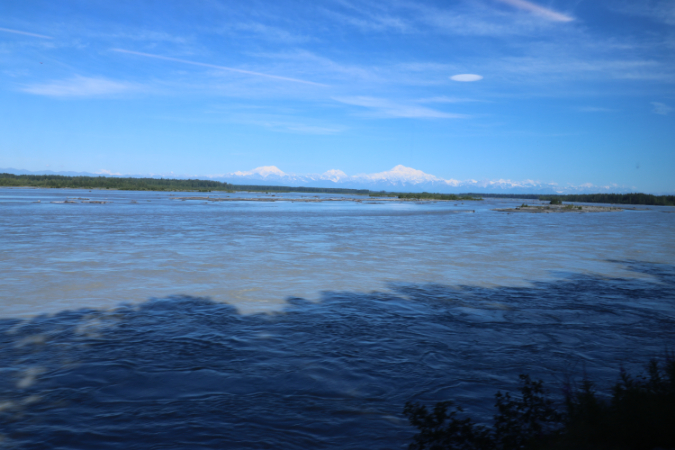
x: 144, y: 35
x: 469, y: 18
x: 306, y: 61
x: 284, y: 125
x: 264, y: 31
x: 564, y: 66
x: 387, y: 108
x: 592, y: 109
x: 657, y: 10
x: 538, y: 10
x: 309, y: 129
x: 474, y: 18
x: 370, y: 21
x: 278, y: 119
x: 444, y: 99
x: 7, y: 30
x: 79, y: 86
x: 214, y: 66
x: 661, y: 108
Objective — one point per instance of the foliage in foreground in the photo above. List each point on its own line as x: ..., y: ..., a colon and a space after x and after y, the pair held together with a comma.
x: 639, y: 414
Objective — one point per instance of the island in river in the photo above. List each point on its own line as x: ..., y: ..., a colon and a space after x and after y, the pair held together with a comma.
x: 560, y: 209
x: 315, y: 199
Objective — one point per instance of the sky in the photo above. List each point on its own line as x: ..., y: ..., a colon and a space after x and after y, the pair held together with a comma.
x: 559, y: 91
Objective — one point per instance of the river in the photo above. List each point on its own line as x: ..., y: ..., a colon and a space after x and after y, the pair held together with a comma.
x: 154, y: 322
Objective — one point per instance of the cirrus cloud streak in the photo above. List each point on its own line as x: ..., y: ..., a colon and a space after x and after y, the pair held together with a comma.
x: 25, y: 33
x: 538, y: 10
x: 214, y: 66
x: 386, y: 108
x: 79, y: 86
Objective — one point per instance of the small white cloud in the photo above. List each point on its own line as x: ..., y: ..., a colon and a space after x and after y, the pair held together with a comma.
x: 108, y: 172
x: 80, y: 87
x: 465, y: 77
x: 661, y: 108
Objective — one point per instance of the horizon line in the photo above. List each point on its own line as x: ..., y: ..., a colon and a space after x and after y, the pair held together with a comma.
x: 486, y: 194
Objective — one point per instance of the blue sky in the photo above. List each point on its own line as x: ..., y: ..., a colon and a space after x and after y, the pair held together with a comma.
x: 570, y: 92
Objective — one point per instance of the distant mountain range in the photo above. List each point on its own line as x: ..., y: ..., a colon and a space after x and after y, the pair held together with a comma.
x: 399, y: 178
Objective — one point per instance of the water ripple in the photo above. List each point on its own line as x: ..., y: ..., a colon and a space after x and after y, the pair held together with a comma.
x: 185, y: 372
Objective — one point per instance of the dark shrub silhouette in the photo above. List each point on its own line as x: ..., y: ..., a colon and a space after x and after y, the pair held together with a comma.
x: 640, y: 414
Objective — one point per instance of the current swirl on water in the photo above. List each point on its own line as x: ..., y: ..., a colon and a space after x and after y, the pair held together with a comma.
x: 183, y: 372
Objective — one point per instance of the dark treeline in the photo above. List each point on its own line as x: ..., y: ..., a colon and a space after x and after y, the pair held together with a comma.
x: 625, y: 199
x: 153, y: 184
x: 638, y: 415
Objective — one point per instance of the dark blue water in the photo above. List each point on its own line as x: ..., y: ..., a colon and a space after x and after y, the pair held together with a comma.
x: 444, y: 306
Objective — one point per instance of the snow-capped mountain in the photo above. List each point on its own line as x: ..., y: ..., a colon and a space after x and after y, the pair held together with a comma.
x: 263, y: 172
x: 402, y: 178
x: 334, y: 175
x: 405, y: 175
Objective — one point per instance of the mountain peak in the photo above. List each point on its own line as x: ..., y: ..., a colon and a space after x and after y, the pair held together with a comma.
x: 263, y: 171
x: 402, y: 174
x: 402, y: 168
x: 334, y: 175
